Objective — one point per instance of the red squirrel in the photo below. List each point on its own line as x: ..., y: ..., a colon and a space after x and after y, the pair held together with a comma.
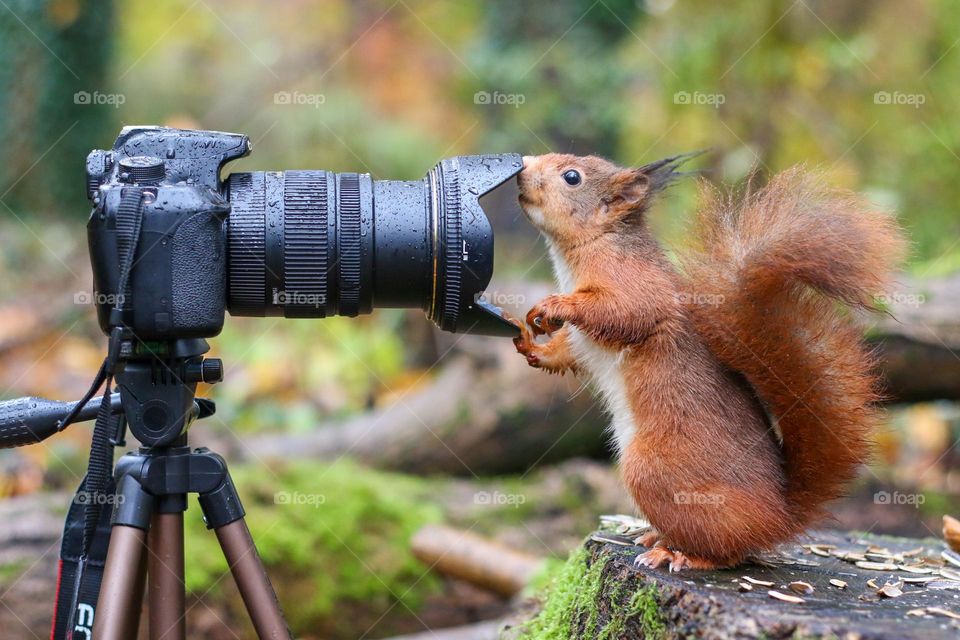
x: 742, y: 398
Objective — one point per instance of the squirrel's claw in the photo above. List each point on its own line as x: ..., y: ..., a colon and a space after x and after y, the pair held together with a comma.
x: 540, y: 323
x: 525, y: 344
x: 659, y: 556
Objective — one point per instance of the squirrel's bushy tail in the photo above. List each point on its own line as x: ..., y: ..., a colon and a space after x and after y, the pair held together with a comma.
x: 780, y: 270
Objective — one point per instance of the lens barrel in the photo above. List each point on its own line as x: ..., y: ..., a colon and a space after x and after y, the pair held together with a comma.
x: 311, y: 244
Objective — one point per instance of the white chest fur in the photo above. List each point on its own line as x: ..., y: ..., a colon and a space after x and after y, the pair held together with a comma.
x: 602, y: 365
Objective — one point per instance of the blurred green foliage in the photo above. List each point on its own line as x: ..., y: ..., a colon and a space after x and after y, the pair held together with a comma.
x: 334, y: 538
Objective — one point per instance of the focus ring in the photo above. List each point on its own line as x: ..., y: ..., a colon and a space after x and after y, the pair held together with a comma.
x: 452, y: 251
x: 349, y: 211
x: 245, y: 236
x: 305, y: 244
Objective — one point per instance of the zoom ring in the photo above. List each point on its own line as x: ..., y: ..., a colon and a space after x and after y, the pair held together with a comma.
x: 305, y: 255
x: 349, y: 195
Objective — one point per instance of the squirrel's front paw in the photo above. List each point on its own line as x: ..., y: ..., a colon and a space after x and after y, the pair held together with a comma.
x: 525, y: 344
x: 543, y: 317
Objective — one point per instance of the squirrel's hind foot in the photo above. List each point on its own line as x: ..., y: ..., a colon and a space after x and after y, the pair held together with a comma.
x: 649, y: 539
x: 678, y: 561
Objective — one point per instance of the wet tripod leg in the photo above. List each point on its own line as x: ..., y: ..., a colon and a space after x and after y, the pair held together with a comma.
x: 167, y: 601
x: 121, y: 593
x: 224, y: 514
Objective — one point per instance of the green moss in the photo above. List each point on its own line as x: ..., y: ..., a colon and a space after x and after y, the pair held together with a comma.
x: 643, y: 605
x: 334, y: 537
x: 570, y: 605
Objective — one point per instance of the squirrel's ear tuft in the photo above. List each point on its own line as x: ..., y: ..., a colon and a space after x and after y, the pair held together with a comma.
x: 634, y: 189
x: 663, y: 173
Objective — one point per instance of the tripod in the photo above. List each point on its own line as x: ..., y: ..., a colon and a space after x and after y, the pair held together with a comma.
x: 157, y: 394
x: 157, y: 401
x: 151, y: 497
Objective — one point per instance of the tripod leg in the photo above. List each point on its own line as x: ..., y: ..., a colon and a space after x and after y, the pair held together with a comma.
x: 118, y: 613
x: 224, y: 514
x: 252, y: 581
x: 166, y: 594
x: 121, y: 592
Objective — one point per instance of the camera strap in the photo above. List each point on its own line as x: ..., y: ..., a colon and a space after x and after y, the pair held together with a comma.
x: 86, y: 533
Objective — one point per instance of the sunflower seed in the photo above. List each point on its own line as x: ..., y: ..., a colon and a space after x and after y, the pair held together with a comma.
x: 943, y: 585
x: 912, y: 568
x: 803, y: 588
x: 759, y: 583
x: 937, y: 611
x: 950, y: 574
x: 839, y: 584
x: 876, y: 566
x: 951, y: 557
x: 890, y: 590
x: 611, y: 539
x: 785, y: 597
x: 745, y: 586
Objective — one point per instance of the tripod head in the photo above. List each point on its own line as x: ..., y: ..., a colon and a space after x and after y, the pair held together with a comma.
x: 157, y: 384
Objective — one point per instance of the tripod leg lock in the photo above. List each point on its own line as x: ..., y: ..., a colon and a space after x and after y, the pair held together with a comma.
x: 134, y: 506
x: 221, y: 506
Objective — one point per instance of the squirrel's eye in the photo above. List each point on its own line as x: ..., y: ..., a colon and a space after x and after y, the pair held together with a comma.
x: 571, y: 177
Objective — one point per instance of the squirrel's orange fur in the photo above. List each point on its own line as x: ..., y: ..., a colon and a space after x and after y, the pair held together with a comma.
x: 740, y: 391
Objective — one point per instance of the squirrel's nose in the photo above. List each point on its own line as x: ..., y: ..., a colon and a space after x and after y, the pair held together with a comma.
x: 528, y: 161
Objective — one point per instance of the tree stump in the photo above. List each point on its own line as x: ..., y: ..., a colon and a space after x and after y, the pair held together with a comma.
x: 600, y: 594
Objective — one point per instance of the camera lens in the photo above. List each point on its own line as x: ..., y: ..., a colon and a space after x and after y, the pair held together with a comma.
x: 311, y: 244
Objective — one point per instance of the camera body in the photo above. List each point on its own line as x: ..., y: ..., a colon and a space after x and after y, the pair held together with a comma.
x: 179, y: 271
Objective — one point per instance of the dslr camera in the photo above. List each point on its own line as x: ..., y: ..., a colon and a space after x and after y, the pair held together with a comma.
x: 298, y: 244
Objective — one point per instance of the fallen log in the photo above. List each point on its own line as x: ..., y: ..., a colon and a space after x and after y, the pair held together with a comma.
x: 474, y: 559
x: 834, y: 585
x: 483, y: 413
